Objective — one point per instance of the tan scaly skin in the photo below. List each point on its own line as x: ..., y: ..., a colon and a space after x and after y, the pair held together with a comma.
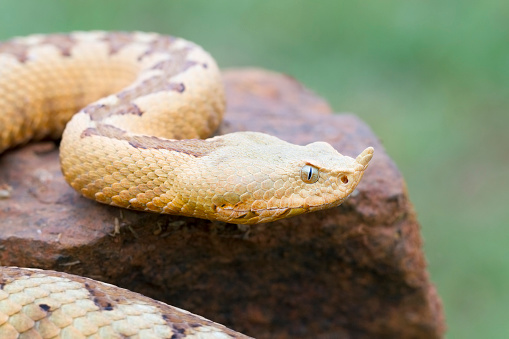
x: 140, y: 148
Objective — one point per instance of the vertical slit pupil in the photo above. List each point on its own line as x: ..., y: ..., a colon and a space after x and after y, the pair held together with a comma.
x: 310, y: 173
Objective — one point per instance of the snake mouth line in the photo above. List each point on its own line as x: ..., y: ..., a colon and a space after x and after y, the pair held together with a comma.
x: 278, y: 213
x: 249, y: 216
x: 253, y: 216
x: 260, y: 209
x: 275, y: 209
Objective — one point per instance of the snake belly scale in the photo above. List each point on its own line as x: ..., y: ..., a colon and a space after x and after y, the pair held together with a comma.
x: 144, y: 103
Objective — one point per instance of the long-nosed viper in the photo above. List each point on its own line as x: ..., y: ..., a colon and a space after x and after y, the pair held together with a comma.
x: 141, y: 148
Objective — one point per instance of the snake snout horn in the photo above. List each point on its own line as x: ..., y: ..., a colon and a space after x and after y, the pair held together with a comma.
x: 366, y: 155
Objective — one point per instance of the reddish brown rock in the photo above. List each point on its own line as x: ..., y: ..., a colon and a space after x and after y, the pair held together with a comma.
x: 355, y: 271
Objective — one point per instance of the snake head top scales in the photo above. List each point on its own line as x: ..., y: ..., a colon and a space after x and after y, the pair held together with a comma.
x: 123, y: 149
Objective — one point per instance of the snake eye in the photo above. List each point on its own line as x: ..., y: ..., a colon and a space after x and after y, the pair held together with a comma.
x: 309, y: 174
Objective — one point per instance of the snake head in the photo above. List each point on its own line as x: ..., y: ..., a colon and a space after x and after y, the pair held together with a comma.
x: 327, y: 178
x: 260, y: 178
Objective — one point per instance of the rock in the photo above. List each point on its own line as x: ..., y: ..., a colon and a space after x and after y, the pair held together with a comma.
x: 355, y: 271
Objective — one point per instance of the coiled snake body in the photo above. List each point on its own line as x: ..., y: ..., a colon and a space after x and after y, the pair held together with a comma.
x: 141, y: 148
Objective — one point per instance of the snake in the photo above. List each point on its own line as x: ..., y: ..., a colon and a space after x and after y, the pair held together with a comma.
x: 137, y: 113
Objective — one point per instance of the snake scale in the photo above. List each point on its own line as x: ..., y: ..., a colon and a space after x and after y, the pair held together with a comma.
x: 142, y: 148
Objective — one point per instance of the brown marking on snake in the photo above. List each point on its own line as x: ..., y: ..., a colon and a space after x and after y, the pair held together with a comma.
x: 98, y: 112
x: 8, y: 275
x: 177, y: 87
x: 149, y: 86
x: 89, y: 132
x: 157, y: 83
x: 163, y: 65
x: 118, y: 40
x: 161, y: 44
x: 100, y: 299
x: 170, y: 67
x: 90, y: 109
x: 63, y: 42
x: 182, y: 322
x: 193, y: 147
x: 16, y: 49
x: 130, y: 108
x: 178, y: 62
x: 180, y: 327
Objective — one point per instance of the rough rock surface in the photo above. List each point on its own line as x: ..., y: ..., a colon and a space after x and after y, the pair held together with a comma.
x: 355, y: 271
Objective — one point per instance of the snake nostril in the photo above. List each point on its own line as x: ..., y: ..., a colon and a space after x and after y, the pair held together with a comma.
x: 344, y: 179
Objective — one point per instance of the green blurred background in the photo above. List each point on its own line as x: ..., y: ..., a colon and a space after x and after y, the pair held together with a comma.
x: 430, y: 77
